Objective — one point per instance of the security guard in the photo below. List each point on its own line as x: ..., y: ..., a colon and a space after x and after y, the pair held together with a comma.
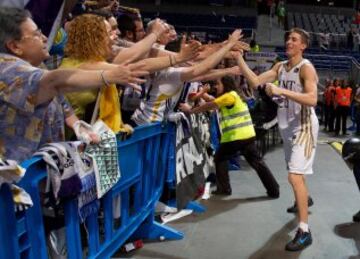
x: 238, y: 134
x: 343, y: 101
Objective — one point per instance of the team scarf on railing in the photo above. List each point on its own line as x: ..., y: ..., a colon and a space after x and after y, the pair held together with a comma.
x: 69, y: 175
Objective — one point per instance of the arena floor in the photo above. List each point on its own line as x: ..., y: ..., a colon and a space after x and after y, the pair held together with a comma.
x: 249, y: 225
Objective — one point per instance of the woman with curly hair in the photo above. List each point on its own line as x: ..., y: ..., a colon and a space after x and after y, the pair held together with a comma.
x: 89, y: 42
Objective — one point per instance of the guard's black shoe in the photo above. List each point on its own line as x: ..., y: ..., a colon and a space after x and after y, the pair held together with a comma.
x: 356, y: 217
x: 273, y: 194
x: 301, y: 240
x: 222, y: 192
x: 294, y: 209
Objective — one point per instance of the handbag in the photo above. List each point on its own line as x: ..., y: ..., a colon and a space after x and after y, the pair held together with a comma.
x: 105, y: 155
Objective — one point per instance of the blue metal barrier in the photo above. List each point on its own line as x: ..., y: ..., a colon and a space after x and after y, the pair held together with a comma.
x: 22, y: 233
x: 9, y: 240
x: 143, y: 163
x: 171, y: 173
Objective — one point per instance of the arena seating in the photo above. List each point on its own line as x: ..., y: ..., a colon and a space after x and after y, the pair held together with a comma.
x: 337, y: 25
x: 316, y: 22
x: 217, y: 27
x: 338, y: 60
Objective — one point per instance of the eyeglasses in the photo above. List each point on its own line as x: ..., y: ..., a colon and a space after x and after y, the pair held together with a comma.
x: 36, y: 35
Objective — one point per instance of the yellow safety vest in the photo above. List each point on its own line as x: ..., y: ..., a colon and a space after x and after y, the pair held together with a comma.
x: 235, y: 122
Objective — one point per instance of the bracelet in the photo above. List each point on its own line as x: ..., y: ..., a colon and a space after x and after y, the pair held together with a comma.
x: 106, y: 83
x: 170, y: 59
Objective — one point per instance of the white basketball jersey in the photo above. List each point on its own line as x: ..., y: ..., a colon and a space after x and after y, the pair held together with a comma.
x: 289, y: 110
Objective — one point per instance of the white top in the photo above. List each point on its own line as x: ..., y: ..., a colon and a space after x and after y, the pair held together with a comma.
x: 289, y: 110
x: 160, y: 87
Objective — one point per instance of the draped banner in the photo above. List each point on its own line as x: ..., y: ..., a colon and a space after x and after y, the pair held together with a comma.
x: 192, y: 161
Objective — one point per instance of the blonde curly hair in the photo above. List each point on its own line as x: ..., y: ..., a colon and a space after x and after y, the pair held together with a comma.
x: 88, y: 38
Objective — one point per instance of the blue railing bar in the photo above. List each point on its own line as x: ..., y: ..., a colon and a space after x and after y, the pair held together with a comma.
x: 124, y: 233
x: 196, y: 207
x: 124, y: 184
x: 125, y: 207
x: 141, y: 133
x: 73, y: 236
x: 93, y: 237
x: 9, y: 242
x: 108, y: 217
x: 30, y: 182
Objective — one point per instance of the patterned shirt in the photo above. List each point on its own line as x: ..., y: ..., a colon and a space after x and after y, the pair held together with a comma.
x: 23, y: 124
x: 58, y: 110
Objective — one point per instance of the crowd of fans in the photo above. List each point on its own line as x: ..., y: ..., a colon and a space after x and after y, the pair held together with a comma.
x: 102, y: 57
x: 96, y: 59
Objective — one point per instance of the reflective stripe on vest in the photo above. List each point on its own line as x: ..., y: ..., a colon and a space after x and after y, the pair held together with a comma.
x: 240, y: 125
x: 232, y: 116
x: 235, y: 122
